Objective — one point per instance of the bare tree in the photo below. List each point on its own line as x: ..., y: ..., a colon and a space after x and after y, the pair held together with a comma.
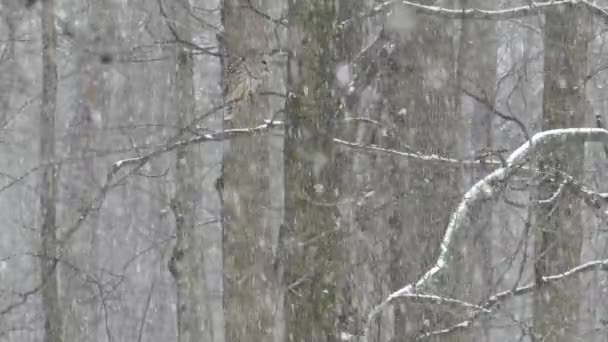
x: 380, y: 241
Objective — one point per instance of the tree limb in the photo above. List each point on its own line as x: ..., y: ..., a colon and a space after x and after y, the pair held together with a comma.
x: 505, y: 14
x: 504, y: 295
x: 486, y: 189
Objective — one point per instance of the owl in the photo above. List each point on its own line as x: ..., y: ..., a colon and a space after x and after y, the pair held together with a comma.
x: 244, y: 75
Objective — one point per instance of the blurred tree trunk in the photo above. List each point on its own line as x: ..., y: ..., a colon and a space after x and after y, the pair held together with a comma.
x: 249, y: 278
x: 353, y: 292
x: 477, y: 70
x: 422, y: 105
x: 53, y: 316
x: 312, y: 234
x: 186, y: 264
x: 558, y: 221
x: 8, y: 65
x: 82, y: 282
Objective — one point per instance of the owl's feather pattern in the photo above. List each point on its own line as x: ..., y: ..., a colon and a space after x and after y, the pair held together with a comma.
x: 244, y: 76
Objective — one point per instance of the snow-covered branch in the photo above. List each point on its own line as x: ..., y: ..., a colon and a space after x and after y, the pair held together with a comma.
x: 504, y: 295
x: 534, y: 8
x: 488, y: 188
x: 555, y: 195
x: 138, y: 162
x: 444, y: 300
x: 419, y: 156
x: 502, y: 14
x: 210, y: 136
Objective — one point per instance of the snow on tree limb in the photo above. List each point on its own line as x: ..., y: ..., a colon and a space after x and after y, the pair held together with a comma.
x: 485, y: 189
x: 419, y: 156
x: 211, y: 136
x: 444, y: 300
x: 504, y: 295
x: 503, y: 14
x: 137, y: 162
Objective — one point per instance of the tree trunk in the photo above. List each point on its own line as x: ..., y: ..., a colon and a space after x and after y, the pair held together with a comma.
x: 558, y: 221
x: 422, y: 105
x: 186, y: 264
x: 250, y: 295
x: 353, y: 294
x: 477, y: 74
x: 53, y: 316
x: 312, y: 234
x: 81, y: 178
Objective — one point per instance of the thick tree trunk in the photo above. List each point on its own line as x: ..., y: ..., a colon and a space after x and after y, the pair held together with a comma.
x: 557, y: 222
x: 353, y: 294
x: 312, y: 234
x: 420, y: 86
x: 250, y: 284
x: 186, y: 264
x: 53, y: 316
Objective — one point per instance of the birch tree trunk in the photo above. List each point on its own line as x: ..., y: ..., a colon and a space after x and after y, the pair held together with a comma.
x: 557, y: 222
x: 53, y: 316
x: 186, y: 264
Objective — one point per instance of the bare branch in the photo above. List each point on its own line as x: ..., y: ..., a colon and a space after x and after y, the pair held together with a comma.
x: 212, y: 136
x: 138, y: 162
x: 534, y: 8
x: 486, y: 189
x: 498, y: 113
x: 144, y: 316
x: 419, y: 156
x: 556, y: 194
x: 502, y: 296
x: 444, y: 300
x: 505, y: 14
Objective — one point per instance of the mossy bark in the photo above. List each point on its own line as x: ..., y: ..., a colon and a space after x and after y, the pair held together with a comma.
x: 557, y: 223
x: 312, y: 235
x: 53, y: 315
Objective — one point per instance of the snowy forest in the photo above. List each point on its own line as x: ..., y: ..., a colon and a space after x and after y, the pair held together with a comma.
x: 303, y: 170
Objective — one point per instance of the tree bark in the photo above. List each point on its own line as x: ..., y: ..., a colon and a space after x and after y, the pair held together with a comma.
x: 250, y: 283
x: 557, y: 222
x: 53, y: 316
x: 422, y: 104
x: 359, y: 267
x: 186, y: 264
x: 312, y: 234
x: 477, y: 74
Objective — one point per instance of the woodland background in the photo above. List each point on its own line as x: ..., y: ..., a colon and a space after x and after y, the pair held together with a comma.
x: 367, y: 187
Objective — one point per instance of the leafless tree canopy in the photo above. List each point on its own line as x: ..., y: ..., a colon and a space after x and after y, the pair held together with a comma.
x: 310, y: 170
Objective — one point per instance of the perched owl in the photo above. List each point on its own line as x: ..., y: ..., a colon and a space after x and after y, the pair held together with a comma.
x: 244, y: 75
